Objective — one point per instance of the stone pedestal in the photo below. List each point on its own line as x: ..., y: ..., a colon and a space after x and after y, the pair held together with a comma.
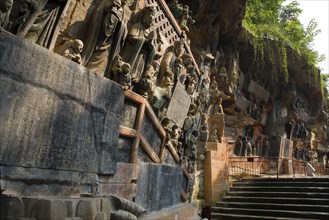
x: 216, y: 177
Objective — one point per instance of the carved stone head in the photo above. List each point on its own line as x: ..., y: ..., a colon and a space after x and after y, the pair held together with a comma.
x: 148, y: 16
x: 6, y: 5
x: 77, y: 46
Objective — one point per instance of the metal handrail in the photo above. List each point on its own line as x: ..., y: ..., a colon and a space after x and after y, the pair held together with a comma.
x: 270, y: 166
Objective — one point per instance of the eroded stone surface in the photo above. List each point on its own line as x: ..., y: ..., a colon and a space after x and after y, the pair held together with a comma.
x: 161, y: 184
x: 54, y: 113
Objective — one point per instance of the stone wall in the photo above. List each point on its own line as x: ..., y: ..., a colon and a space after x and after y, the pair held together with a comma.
x: 159, y: 186
x: 55, y: 115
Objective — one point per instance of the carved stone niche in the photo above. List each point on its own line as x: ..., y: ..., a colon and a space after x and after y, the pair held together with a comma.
x: 38, y: 21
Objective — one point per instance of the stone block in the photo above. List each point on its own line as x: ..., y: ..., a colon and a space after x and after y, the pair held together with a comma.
x: 126, y: 173
x: 125, y: 190
x: 212, y: 146
x: 54, y: 113
x: 158, y: 186
x: 258, y: 91
x: 71, y: 207
x: 101, y: 216
x: 242, y: 103
x: 179, y: 105
x: 216, y: 175
x: 11, y: 207
x: 46, y: 209
x: 87, y: 209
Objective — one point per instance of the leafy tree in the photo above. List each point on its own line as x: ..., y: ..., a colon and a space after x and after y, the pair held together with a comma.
x: 271, y: 19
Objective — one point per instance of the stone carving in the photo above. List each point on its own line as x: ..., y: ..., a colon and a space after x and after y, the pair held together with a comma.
x: 169, y: 69
x: 5, y: 9
x: 105, y: 28
x: 216, y: 120
x: 23, y: 15
x: 259, y: 146
x: 205, y: 70
x: 266, y: 147
x: 123, y: 209
x: 148, y: 81
x: 139, y: 36
x: 238, y: 146
x: 204, y: 133
x: 71, y: 49
x: 190, y: 78
x: 38, y: 21
x: 182, y: 14
x: 247, y: 145
x: 121, y: 72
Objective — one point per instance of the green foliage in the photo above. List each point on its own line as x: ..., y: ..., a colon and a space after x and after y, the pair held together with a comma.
x: 271, y: 20
x: 324, y: 84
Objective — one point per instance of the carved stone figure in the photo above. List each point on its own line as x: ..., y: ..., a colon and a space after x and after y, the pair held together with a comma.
x: 216, y: 120
x: 181, y: 14
x: 173, y: 54
x: 247, y: 147
x: 121, y: 72
x: 205, y: 70
x: 185, y: 19
x: 259, y: 146
x: 5, y: 9
x: 175, y: 133
x: 41, y: 23
x: 71, y: 49
x: 238, y: 146
x: 125, y: 77
x: 204, y: 133
x: 139, y: 35
x: 189, y: 77
x: 105, y: 29
x: 26, y: 9
x: 148, y: 81
x: 266, y: 147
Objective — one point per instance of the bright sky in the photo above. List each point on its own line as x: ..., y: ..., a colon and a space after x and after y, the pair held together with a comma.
x: 319, y: 10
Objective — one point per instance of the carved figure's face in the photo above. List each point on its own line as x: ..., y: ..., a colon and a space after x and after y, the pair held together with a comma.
x: 6, y: 5
x: 155, y: 65
x: 148, y: 18
x: 78, y: 46
x: 179, y: 48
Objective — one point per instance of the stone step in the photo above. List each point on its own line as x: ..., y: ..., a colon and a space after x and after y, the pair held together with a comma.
x: 220, y: 216
x: 279, y: 194
x: 274, y: 206
x: 273, y: 213
x: 277, y: 200
x: 284, y: 183
x: 281, y: 189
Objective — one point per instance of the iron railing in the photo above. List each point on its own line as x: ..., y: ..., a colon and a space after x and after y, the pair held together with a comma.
x: 258, y: 166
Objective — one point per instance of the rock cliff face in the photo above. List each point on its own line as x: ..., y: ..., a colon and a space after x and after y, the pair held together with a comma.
x: 140, y: 105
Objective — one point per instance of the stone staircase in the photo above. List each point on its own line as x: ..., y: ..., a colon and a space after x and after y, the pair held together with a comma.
x: 272, y: 198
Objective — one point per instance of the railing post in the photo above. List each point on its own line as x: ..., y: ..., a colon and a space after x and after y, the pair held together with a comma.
x: 277, y: 167
x: 293, y: 168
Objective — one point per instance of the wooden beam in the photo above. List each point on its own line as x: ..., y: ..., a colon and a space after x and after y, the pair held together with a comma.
x: 154, y: 119
x: 134, y: 150
x: 130, y: 95
x: 149, y: 150
x: 173, y: 152
x: 127, y: 132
